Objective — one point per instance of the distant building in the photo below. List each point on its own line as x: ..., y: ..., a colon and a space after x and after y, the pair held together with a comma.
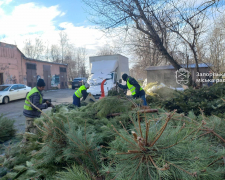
x: 15, y: 67
x: 167, y: 74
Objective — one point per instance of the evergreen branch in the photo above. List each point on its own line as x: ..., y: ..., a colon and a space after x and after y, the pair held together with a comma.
x: 192, y: 120
x: 180, y: 168
x: 135, y: 105
x: 131, y: 151
x: 139, y: 124
x: 162, y: 129
x: 218, y: 136
x: 123, y: 127
x: 20, y: 173
x: 182, y: 120
x: 85, y: 130
x: 68, y: 121
x: 109, y: 148
x: 204, y: 134
x: 161, y: 169
x: 124, y: 153
x: 215, y: 161
x: 70, y: 138
x: 148, y: 170
x: 41, y: 129
x: 181, y: 139
x: 147, y: 129
x: 181, y: 128
x: 85, y: 168
x: 122, y: 136
x: 137, y: 168
x: 133, y: 123
x: 135, y: 136
x: 118, y: 173
x: 79, y: 146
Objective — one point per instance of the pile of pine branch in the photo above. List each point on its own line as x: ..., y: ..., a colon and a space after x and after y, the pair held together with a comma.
x: 87, y: 143
x: 7, y: 129
x: 208, y: 99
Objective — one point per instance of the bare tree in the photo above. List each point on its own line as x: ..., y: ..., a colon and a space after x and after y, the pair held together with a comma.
x: 34, y: 50
x: 63, y: 43
x: 81, y: 61
x: 55, y: 53
x: 47, y: 52
x: 216, y: 46
x: 106, y: 50
x: 144, y: 15
x: 189, y: 29
x: 157, y: 20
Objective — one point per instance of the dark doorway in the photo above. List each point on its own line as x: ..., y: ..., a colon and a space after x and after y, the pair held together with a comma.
x: 47, y: 76
x: 63, y: 78
x: 31, y: 75
x: 1, y: 78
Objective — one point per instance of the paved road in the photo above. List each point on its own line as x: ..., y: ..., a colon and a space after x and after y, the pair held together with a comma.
x: 14, y: 109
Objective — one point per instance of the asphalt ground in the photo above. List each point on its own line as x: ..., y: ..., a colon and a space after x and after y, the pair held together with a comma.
x: 14, y: 109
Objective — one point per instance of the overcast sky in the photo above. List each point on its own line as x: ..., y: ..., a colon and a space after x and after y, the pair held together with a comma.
x: 26, y: 19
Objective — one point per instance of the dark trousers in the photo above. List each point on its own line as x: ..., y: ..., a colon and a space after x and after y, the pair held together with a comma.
x: 144, y: 100
x: 76, y: 100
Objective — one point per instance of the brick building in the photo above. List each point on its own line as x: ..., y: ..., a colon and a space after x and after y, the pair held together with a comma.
x: 15, y: 67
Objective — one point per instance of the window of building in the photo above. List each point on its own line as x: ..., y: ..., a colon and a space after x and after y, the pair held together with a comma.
x: 31, y: 66
x: 62, y: 69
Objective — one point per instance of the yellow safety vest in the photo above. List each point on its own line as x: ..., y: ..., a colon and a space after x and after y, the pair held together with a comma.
x: 27, y: 105
x: 78, y: 92
x: 132, y: 88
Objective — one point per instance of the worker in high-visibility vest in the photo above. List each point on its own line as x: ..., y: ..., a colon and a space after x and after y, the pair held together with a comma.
x: 136, y: 90
x: 81, y: 92
x: 35, y: 97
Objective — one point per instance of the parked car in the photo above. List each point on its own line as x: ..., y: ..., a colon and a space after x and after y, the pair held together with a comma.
x: 77, y: 82
x: 10, y: 92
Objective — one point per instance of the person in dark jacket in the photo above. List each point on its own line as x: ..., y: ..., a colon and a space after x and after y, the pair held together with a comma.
x: 81, y: 92
x: 35, y: 97
x: 134, y: 87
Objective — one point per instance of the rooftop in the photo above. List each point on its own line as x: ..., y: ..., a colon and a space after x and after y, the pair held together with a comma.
x: 30, y: 59
x: 155, y: 68
x: 11, y: 45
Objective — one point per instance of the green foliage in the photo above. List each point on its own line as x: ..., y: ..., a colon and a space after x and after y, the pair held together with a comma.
x: 81, y: 143
x: 116, y: 92
x: 175, y: 152
x: 209, y: 99
x: 7, y: 129
x: 73, y: 173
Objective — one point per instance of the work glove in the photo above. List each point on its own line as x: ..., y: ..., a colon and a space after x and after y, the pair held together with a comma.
x: 49, y: 104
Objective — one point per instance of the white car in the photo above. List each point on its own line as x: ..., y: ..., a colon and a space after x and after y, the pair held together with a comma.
x: 10, y: 92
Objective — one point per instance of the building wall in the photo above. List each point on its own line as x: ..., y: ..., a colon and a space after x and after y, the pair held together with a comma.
x: 13, y: 67
x: 54, y: 70
x: 168, y: 76
x: 10, y: 64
